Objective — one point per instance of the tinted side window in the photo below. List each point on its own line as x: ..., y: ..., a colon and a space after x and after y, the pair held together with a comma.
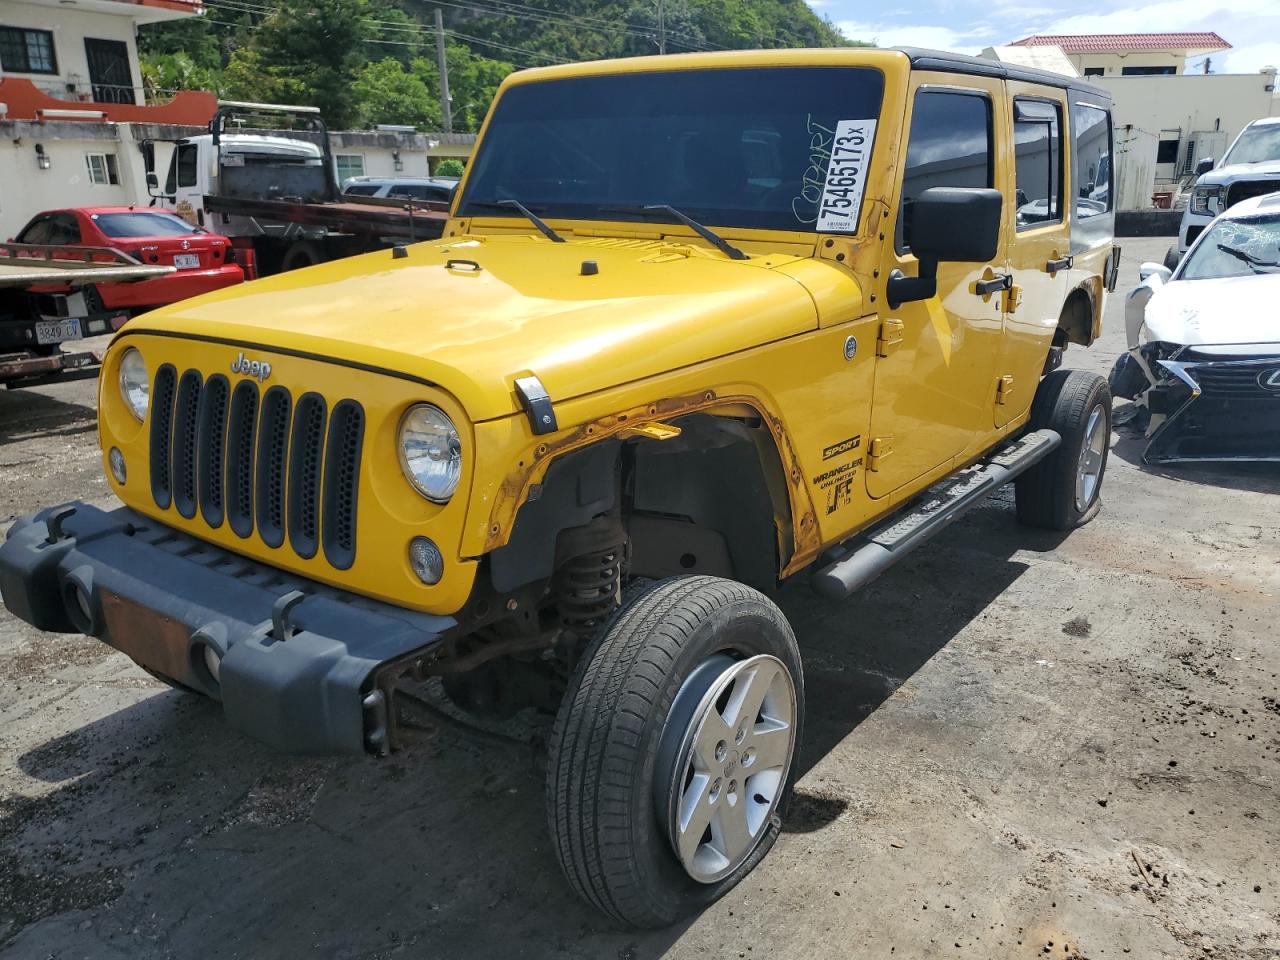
x: 1037, y: 137
x: 63, y: 229
x: 37, y: 232
x: 949, y: 146
x: 188, y: 156
x: 1091, y: 131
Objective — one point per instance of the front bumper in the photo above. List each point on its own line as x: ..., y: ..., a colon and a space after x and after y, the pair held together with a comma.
x: 1216, y: 410
x: 296, y: 659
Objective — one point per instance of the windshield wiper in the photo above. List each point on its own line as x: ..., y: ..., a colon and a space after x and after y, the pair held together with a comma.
x: 528, y: 214
x: 1247, y: 258
x: 717, y: 241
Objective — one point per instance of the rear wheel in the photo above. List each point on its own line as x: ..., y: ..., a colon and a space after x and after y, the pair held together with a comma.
x: 672, y: 754
x: 304, y: 253
x: 1063, y: 491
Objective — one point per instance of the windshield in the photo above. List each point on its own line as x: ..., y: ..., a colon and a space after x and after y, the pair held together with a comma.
x: 142, y: 225
x: 1257, y: 144
x: 1235, y: 248
x: 728, y: 147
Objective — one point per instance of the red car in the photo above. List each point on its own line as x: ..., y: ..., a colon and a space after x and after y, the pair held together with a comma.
x: 204, y: 261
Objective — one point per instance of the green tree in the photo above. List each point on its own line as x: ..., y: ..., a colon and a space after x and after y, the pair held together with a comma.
x: 473, y: 81
x: 166, y: 72
x: 450, y: 167
x: 311, y: 53
x: 388, y: 93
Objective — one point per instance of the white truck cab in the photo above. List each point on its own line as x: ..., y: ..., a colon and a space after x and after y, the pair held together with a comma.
x: 1250, y: 168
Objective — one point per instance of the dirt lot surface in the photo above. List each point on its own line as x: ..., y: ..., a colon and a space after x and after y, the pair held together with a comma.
x: 1017, y: 745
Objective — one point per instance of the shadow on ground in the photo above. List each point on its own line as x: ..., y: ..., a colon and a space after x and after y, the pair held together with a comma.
x: 167, y: 834
x: 28, y: 413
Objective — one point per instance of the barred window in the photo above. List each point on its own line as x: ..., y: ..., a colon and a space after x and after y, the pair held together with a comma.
x: 27, y: 51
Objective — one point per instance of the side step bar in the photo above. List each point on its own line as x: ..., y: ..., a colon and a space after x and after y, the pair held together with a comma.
x: 859, y: 561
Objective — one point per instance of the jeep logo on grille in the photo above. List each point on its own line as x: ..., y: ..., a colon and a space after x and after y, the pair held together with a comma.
x: 1270, y: 379
x: 258, y: 369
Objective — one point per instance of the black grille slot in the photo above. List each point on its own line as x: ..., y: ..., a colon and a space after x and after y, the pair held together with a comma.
x: 212, y: 457
x: 186, y: 429
x: 273, y: 454
x: 306, y: 455
x: 161, y: 435
x: 241, y: 433
x: 1232, y: 380
x: 342, y: 483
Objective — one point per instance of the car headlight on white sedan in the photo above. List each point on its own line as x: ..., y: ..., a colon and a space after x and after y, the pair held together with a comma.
x: 134, y: 385
x: 430, y: 452
x: 1207, y: 201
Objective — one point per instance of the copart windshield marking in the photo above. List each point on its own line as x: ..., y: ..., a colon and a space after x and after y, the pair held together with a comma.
x: 841, y: 206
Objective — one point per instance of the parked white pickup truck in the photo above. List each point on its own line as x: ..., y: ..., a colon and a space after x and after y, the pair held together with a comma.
x: 1250, y: 168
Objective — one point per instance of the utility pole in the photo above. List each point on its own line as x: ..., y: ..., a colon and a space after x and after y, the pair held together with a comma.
x: 442, y: 65
x: 662, y: 27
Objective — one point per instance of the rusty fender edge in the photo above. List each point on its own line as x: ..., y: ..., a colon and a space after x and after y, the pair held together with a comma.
x: 514, y: 490
x: 295, y: 658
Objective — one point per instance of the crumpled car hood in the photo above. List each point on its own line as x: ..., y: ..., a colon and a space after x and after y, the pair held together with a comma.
x: 1227, y: 310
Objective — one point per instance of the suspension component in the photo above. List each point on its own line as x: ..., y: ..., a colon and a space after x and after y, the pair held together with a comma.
x: 588, y: 581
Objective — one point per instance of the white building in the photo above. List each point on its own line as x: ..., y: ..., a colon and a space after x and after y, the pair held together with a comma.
x: 1166, y: 119
x: 73, y: 110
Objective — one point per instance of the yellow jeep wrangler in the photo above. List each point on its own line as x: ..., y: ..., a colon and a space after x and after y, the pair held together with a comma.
x: 697, y: 324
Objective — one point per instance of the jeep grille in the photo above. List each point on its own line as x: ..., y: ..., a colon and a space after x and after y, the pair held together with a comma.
x: 258, y: 461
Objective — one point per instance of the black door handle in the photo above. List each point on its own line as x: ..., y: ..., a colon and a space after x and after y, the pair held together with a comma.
x: 1062, y: 263
x: 1003, y: 281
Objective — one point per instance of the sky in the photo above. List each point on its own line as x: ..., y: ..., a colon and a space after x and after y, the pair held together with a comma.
x: 1252, y: 27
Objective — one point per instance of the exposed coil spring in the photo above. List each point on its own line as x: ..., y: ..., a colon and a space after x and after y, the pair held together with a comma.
x: 589, y: 589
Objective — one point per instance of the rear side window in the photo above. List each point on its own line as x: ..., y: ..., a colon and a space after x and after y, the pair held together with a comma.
x: 142, y: 225
x: 949, y: 146
x: 63, y: 229
x: 1093, y: 176
x: 362, y: 190
x: 1037, y: 137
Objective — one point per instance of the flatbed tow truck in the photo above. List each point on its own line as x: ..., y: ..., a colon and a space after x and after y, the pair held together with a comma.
x: 264, y: 176
x: 42, y: 308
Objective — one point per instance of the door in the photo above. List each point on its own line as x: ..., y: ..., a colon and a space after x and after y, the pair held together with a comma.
x: 109, y: 73
x: 1040, y: 251
x: 936, y: 357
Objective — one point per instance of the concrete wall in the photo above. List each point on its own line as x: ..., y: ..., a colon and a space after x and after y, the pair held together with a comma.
x: 70, y: 25
x: 1135, y: 167
x: 1191, y: 103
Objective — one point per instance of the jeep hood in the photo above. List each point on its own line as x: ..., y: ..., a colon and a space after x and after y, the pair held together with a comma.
x: 475, y: 314
x: 1227, y: 310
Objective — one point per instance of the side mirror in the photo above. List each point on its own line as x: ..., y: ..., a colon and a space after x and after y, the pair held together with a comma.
x: 1151, y: 269
x: 1204, y: 165
x: 948, y: 224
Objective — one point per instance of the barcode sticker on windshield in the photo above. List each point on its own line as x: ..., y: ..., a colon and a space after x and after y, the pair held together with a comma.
x: 846, y: 176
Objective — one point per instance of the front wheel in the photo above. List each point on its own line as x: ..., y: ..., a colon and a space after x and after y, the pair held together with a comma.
x: 1064, y: 490
x: 673, y: 751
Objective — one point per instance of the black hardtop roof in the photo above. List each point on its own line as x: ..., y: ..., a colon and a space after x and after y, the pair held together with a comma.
x: 946, y: 62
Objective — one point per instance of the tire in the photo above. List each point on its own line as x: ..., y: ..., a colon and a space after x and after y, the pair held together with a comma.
x: 1172, y: 257
x: 302, y: 254
x: 1048, y: 495
x: 616, y: 774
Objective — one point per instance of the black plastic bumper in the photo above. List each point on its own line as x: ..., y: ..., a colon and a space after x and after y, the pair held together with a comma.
x: 299, y: 683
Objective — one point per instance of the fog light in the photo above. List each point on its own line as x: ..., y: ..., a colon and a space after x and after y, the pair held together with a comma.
x: 426, y: 559
x: 212, y: 661
x: 116, y: 459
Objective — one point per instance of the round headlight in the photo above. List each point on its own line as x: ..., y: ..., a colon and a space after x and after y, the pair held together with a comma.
x: 134, y: 386
x: 430, y: 452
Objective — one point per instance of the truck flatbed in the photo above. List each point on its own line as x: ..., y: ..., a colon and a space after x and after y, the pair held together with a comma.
x: 400, y: 219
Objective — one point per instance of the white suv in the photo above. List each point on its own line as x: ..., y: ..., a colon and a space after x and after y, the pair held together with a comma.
x: 1250, y: 168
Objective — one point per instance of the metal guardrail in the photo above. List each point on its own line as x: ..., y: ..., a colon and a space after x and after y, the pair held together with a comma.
x: 55, y: 254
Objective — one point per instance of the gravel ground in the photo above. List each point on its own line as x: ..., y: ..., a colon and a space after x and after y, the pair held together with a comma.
x: 1018, y: 745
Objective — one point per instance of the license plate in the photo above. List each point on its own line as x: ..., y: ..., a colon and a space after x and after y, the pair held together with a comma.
x: 186, y: 261
x: 56, y: 331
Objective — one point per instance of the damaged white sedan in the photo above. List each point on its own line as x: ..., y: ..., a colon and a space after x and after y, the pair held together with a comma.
x: 1203, y: 366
